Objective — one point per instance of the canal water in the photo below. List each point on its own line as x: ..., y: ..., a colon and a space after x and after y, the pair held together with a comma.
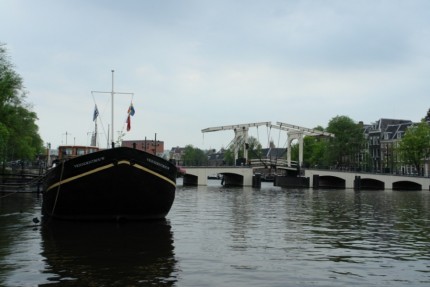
x: 216, y: 236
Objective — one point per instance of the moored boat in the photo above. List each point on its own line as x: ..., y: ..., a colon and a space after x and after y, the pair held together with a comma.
x: 110, y: 184
x: 88, y: 183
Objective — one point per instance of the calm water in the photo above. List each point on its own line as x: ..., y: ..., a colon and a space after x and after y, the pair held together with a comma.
x: 216, y: 236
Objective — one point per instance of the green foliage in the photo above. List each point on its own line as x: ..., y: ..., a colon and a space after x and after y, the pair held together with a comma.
x: 343, y: 149
x: 254, y: 148
x: 229, y: 156
x: 314, y: 151
x: 19, y: 138
x: 194, y: 156
x: 414, y: 147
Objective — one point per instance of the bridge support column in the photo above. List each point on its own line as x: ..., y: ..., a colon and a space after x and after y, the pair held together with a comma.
x: 357, y: 182
x: 316, y: 181
x: 256, y: 180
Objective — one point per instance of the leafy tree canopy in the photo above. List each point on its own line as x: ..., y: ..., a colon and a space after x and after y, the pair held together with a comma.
x: 415, y: 145
x: 194, y: 156
x: 347, y: 142
x: 19, y: 137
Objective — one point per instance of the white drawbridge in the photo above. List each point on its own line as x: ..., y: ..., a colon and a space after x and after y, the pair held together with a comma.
x: 240, y: 136
x: 294, y: 132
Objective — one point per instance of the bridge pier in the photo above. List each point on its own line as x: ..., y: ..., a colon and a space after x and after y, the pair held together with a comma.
x: 256, y: 180
x: 316, y: 181
x: 357, y: 182
x: 193, y: 180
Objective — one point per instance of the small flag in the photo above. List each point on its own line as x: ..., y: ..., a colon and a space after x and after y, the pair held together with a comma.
x: 128, y: 123
x: 96, y: 113
x: 131, y: 110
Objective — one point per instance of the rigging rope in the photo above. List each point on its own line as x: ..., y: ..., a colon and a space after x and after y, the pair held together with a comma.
x: 12, y: 193
x: 101, y: 122
x: 258, y: 135
x: 30, y: 183
x: 279, y: 138
x: 58, y: 189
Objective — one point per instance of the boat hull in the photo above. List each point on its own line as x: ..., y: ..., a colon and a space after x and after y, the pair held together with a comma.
x: 112, y: 184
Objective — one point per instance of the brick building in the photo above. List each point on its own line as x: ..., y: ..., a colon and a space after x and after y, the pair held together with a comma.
x: 151, y: 146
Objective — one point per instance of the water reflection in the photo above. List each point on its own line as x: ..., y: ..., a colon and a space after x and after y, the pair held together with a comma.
x: 368, y: 225
x: 108, y: 254
x: 229, y: 237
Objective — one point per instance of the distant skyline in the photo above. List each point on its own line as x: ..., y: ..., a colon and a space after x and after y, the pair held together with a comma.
x: 198, y: 64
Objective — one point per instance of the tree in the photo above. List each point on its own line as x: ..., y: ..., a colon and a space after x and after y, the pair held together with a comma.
x: 314, y: 150
x: 4, y: 138
x: 414, y: 147
x: 194, y: 156
x: 229, y: 156
x: 254, y: 148
x: 343, y: 150
x: 18, y: 130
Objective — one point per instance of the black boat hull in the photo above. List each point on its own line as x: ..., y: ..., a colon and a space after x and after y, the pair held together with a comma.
x: 112, y: 184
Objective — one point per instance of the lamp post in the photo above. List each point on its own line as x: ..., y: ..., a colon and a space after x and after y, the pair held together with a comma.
x: 48, y: 154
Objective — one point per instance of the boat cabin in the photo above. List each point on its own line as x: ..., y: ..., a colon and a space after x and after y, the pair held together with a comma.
x: 67, y: 152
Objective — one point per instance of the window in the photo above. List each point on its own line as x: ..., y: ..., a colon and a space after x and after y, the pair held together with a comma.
x: 399, y: 135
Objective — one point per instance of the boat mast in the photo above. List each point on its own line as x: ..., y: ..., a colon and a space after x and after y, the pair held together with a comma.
x: 112, y: 93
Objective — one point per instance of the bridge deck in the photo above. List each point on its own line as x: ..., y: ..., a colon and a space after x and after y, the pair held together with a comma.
x: 242, y: 175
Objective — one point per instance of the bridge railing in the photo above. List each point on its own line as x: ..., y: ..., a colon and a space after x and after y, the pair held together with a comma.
x: 271, y: 163
x: 359, y: 171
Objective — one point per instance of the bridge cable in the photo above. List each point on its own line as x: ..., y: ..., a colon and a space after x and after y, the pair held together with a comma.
x: 268, y: 136
x: 259, y: 155
x: 258, y: 135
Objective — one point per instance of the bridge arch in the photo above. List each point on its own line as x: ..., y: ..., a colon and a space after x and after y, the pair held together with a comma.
x: 371, y: 184
x: 329, y: 181
x: 406, y: 185
x: 232, y: 179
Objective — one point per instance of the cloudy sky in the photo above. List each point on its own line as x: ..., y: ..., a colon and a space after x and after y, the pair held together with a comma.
x: 198, y: 64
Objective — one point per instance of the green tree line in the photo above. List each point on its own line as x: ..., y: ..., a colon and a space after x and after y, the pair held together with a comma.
x: 19, y: 134
x: 414, y: 148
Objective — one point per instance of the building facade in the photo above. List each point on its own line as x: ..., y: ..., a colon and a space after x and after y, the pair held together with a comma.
x: 382, y: 137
